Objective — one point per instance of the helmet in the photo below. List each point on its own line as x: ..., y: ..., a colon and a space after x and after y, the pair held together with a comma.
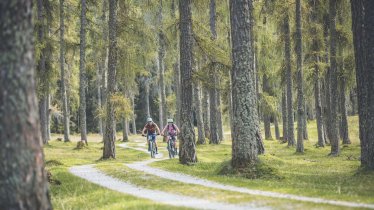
x: 170, y: 120
x: 149, y: 119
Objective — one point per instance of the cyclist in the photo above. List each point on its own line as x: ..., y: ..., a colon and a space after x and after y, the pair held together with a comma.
x: 152, y: 130
x: 172, y: 131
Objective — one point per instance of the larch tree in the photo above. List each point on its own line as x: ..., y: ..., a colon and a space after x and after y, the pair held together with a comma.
x: 42, y: 70
x: 82, y: 74
x: 65, y: 102
x: 300, y: 83
x: 187, y: 138
x: 23, y: 178
x: 109, y: 150
x: 161, y: 67
x: 245, y: 116
x: 363, y: 39
x: 287, y: 47
x: 335, y: 150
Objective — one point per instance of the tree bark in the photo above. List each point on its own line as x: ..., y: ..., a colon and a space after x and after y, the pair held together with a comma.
x: 335, y: 150
x: 214, y: 136
x: 276, y: 127
x: 161, y: 67
x: 300, y: 88
x: 134, y: 115
x: 327, y: 108
x: 245, y: 115
x: 363, y: 39
x: 284, y: 115
x: 125, y: 130
x: 64, y: 99
x: 343, y: 121
x: 23, y: 182
x: 266, y: 113
x: 104, y: 61
x: 219, y: 111
x: 82, y: 74
x: 290, y: 117
x: 187, y: 141
x: 199, y: 115
x: 206, y: 116
x: 109, y: 150
x: 177, y: 92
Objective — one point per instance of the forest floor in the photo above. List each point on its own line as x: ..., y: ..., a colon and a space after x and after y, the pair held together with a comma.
x: 312, y: 174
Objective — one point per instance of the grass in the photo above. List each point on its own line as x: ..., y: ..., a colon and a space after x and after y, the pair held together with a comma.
x: 310, y: 174
x: 77, y: 193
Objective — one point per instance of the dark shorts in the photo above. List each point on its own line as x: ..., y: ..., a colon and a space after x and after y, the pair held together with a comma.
x: 152, y: 137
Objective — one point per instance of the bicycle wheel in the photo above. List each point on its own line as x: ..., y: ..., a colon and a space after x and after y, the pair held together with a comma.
x: 152, y: 149
x: 170, y: 149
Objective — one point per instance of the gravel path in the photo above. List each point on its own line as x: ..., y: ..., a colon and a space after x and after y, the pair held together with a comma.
x: 143, y: 166
x: 90, y: 173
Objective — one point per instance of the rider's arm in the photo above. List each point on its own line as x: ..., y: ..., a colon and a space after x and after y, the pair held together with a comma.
x: 176, y: 127
x: 163, y: 131
x: 158, y: 129
x: 144, y: 129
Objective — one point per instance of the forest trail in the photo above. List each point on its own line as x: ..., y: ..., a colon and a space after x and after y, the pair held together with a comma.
x: 91, y: 174
x: 143, y: 166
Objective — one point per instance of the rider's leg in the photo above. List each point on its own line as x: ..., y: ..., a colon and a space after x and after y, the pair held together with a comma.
x: 156, y: 144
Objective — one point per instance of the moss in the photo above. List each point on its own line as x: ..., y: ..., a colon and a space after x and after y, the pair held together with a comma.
x: 252, y: 171
x: 50, y: 163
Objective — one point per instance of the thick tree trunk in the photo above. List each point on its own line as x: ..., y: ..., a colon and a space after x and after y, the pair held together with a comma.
x: 206, y: 116
x: 199, y: 114
x: 284, y: 115
x: 290, y: 117
x: 363, y: 36
x: 82, y: 74
x: 187, y: 138
x: 335, y: 150
x: 109, y: 150
x: 23, y: 178
x: 245, y: 115
x: 64, y: 98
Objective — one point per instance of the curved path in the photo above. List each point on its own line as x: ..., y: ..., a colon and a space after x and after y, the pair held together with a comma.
x: 90, y: 173
x: 143, y: 166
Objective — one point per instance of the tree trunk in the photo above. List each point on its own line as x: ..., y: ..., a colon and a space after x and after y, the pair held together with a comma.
x: 147, y: 98
x: 110, y: 130
x: 187, y: 141
x: 125, y: 129
x: 23, y: 177
x: 245, y: 115
x: 212, y: 20
x: 335, y: 150
x: 219, y: 111
x: 290, y: 117
x: 276, y: 127
x: 214, y: 136
x: 161, y: 67
x: 343, y: 114
x: 317, y: 99
x: 206, y: 116
x: 327, y: 108
x: 104, y: 61
x: 363, y: 36
x: 199, y: 114
x: 64, y: 99
x: 42, y: 74
x: 177, y: 92
x: 134, y: 115
x: 82, y: 74
x: 266, y: 113
x: 284, y: 115
x: 305, y: 123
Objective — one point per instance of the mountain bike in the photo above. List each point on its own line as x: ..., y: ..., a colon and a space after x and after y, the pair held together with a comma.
x: 171, y: 147
x: 151, y: 145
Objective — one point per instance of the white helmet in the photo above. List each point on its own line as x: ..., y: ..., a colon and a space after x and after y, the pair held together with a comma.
x: 149, y: 119
x: 170, y: 121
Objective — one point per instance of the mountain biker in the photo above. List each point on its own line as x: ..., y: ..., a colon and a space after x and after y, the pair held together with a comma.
x: 172, y: 131
x: 152, y: 130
